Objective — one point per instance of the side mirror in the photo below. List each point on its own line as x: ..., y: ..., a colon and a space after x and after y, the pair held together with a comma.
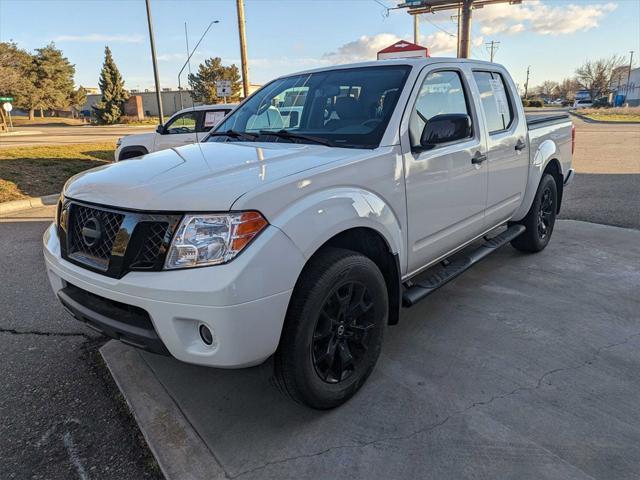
x: 445, y: 128
x: 160, y: 129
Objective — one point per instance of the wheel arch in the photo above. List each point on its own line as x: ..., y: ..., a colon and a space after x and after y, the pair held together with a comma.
x: 132, y: 151
x: 554, y: 168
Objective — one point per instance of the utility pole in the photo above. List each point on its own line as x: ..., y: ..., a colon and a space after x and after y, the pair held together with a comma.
x: 155, y: 64
x: 464, y: 7
x: 526, y: 84
x: 416, y: 30
x: 626, y: 92
x: 492, y: 47
x: 458, y: 33
x: 243, y: 47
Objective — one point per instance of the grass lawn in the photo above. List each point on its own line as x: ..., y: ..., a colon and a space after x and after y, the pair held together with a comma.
x: 621, y: 114
x: 37, y: 171
x: 46, y: 121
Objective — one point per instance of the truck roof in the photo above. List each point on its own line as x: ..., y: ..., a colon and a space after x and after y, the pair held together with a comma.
x: 398, y: 61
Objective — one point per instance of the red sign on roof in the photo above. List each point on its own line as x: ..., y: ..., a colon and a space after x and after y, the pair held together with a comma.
x: 403, y: 49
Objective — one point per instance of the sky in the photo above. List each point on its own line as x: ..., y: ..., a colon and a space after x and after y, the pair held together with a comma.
x: 553, y: 37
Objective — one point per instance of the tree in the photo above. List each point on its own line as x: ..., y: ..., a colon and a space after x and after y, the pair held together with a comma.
x: 17, y: 76
x: 78, y: 98
x: 109, y: 109
x: 596, y: 76
x: 547, y: 89
x: 203, y: 87
x: 53, y: 78
x: 568, y: 88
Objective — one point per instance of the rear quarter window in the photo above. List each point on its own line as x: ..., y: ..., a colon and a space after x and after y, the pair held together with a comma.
x: 495, y: 99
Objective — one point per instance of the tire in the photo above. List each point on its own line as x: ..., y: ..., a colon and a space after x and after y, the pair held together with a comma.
x: 540, y: 219
x: 333, y: 330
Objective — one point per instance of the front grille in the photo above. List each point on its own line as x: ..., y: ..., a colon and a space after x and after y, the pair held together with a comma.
x: 113, y: 241
x: 80, y: 218
x: 154, y: 234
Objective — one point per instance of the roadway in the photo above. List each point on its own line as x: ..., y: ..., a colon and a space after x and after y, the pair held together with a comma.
x: 45, y: 135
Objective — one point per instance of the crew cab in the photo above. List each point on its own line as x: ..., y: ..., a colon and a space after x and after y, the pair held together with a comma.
x: 302, y: 236
x: 185, y: 126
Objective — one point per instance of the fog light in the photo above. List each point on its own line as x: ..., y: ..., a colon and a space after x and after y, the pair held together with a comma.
x: 206, y: 335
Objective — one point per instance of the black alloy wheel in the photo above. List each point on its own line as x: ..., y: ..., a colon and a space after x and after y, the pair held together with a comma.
x: 341, y: 336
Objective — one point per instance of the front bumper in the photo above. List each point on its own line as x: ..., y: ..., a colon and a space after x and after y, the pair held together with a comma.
x: 243, y: 302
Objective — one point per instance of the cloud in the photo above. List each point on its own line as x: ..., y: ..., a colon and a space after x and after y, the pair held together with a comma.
x: 537, y: 17
x: 366, y: 47
x: 97, y: 37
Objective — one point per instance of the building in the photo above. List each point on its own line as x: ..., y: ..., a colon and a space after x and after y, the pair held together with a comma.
x: 632, y: 90
x: 172, y: 101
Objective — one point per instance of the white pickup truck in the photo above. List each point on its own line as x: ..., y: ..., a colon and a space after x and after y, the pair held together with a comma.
x: 302, y: 238
x: 184, y: 127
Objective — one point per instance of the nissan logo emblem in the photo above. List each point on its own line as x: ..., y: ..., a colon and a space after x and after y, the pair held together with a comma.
x: 92, y: 232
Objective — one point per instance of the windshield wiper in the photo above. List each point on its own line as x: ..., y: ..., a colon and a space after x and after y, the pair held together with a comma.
x: 235, y: 134
x: 300, y: 136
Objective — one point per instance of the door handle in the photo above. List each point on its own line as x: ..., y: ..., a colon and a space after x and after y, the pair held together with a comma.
x: 478, y: 158
x: 520, y: 145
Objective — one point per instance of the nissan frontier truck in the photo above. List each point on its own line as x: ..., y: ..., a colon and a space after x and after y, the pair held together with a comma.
x: 303, y: 238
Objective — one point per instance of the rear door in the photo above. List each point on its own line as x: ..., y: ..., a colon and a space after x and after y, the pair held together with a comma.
x: 507, y: 145
x: 179, y: 130
x: 446, y: 191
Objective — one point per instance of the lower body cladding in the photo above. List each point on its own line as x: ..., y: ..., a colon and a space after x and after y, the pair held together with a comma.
x: 227, y: 316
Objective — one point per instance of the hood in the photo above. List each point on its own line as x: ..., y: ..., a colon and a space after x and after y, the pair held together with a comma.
x: 198, y: 177
x: 138, y: 139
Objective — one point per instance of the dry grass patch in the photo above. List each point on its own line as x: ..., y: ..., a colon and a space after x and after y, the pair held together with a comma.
x: 619, y: 114
x: 37, y: 171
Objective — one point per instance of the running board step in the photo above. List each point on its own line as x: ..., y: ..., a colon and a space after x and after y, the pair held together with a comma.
x: 427, y: 283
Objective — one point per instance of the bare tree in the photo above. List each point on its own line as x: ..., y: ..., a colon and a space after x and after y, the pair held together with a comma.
x: 568, y: 88
x: 596, y: 76
x: 548, y: 89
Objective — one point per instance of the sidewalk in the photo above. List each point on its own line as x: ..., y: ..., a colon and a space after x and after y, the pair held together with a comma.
x: 524, y: 367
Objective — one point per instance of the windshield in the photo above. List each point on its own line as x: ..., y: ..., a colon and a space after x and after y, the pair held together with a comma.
x: 342, y: 108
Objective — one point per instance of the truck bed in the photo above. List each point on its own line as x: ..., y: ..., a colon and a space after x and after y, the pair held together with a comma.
x: 539, y: 121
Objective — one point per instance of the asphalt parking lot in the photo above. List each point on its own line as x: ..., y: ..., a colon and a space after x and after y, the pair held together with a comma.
x: 62, y: 413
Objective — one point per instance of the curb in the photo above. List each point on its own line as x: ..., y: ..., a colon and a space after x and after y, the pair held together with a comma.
x: 28, y: 203
x: 604, y: 122
x: 179, y: 450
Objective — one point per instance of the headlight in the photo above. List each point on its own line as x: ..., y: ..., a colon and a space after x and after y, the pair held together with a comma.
x: 211, y: 239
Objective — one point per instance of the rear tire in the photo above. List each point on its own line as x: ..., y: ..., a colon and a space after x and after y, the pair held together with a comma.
x: 540, y: 219
x: 333, y: 330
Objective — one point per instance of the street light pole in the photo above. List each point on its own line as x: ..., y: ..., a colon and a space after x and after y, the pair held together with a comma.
x: 626, y: 92
x: 243, y: 47
x: 155, y: 64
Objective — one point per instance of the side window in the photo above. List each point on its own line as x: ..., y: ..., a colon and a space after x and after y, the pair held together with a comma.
x: 441, y: 92
x: 185, y: 123
x: 495, y: 100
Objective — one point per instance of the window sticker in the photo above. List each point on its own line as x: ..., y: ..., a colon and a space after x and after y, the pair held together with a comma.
x: 212, y: 118
x: 499, y: 96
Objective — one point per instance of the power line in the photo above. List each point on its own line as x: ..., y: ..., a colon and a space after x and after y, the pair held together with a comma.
x: 492, y: 48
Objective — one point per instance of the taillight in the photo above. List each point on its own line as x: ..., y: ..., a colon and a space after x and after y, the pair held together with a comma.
x: 573, y: 139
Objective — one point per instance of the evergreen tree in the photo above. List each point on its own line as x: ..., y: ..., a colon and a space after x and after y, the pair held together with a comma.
x: 109, y: 109
x: 53, y: 78
x: 17, y: 77
x: 203, y: 83
x: 78, y: 98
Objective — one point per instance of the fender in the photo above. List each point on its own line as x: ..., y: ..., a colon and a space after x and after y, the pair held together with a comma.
x: 546, y: 151
x: 314, y: 219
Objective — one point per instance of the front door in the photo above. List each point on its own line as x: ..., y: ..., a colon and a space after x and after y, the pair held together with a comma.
x: 179, y: 130
x: 446, y: 191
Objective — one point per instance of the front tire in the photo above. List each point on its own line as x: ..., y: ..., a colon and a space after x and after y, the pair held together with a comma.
x: 333, y: 331
x: 540, y: 219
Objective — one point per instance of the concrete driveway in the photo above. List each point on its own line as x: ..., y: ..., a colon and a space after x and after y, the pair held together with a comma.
x: 525, y: 367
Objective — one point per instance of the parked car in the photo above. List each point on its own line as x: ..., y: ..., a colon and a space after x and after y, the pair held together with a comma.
x: 585, y: 103
x: 184, y: 127
x: 305, y: 242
